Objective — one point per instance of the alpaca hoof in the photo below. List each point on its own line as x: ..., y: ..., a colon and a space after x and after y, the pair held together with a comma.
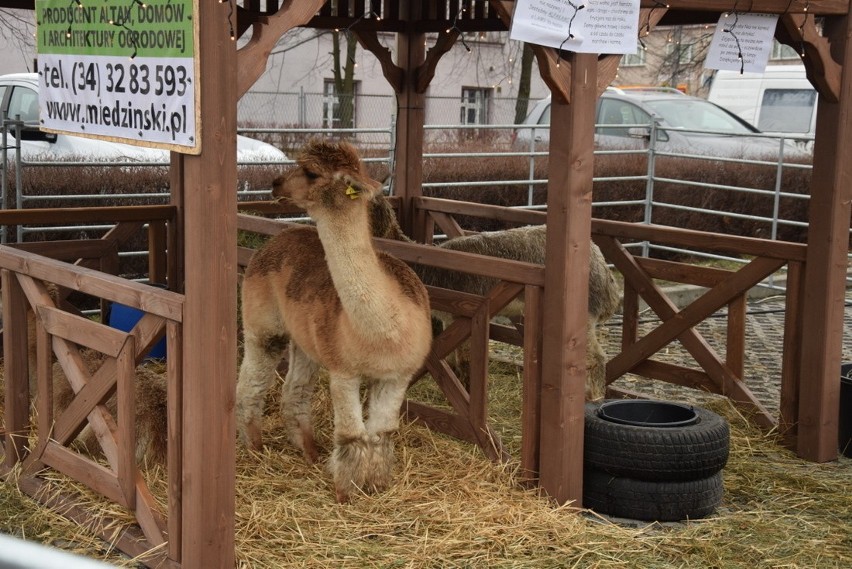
x: 253, y: 436
x: 380, y: 468
x: 309, y: 451
x: 349, y: 465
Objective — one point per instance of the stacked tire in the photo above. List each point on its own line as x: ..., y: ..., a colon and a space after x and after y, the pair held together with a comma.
x: 653, y: 470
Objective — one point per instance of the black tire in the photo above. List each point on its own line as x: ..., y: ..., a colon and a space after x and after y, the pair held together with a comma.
x: 651, y: 501
x: 657, y: 454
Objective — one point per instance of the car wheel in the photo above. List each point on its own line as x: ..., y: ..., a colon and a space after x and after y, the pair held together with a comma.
x: 651, y: 501
x: 655, y: 453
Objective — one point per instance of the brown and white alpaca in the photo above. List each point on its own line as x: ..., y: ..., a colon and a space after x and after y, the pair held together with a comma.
x: 518, y: 244
x: 359, y: 313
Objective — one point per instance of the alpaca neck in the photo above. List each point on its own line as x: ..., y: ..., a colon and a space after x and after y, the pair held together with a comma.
x: 368, y: 295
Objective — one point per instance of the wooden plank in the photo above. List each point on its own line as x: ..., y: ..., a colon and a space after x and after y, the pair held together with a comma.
x: 150, y: 299
x: 128, y: 539
x: 502, y: 269
x: 531, y: 395
x: 736, y: 330
x: 147, y: 515
x: 209, y: 226
x: 440, y: 420
x: 814, y: 7
x: 126, y: 422
x: 447, y: 224
x: 791, y: 355
x: 174, y: 447
x: 683, y: 272
x: 569, y: 199
x: 99, y: 478
x: 82, y: 331
x: 746, y: 246
x: 478, y: 381
x: 157, y: 256
x: 16, y: 370
x: 100, y: 420
x: 824, y: 291
x: 70, y: 250
x: 456, y: 303
x: 69, y: 215
x: 496, y: 212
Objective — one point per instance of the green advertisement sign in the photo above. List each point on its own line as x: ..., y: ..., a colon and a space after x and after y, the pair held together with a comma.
x: 129, y: 28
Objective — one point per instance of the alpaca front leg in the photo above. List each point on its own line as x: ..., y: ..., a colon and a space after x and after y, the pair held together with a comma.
x: 595, y: 365
x: 257, y: 373
x: 349, y: 463
x: 383, y: 411
x: 296, y: 394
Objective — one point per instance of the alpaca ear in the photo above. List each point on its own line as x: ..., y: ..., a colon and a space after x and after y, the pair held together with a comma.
x: 360, y: 187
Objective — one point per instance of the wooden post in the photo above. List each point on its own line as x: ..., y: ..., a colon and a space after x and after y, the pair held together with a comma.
x: 16, y: 368
x: 569, y: 203
x: 410, y: 118
x: 824, y: 292
x: 207, y: 212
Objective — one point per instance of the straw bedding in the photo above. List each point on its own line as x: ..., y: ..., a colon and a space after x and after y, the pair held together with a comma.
x: 451, y: 507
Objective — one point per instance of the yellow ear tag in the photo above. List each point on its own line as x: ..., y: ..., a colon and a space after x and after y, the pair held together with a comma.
x: 352, y: 193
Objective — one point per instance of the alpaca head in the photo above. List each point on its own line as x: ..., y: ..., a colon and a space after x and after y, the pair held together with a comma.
x: 329, y: 177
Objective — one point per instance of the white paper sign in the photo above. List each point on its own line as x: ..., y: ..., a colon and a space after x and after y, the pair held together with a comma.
x: 602, y: 26
x: 742, y: 42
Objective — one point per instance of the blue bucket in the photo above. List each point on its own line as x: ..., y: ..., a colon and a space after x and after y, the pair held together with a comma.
x: 124, y: 318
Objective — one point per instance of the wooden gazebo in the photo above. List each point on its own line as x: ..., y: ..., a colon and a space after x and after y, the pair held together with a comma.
x: 193, y: 247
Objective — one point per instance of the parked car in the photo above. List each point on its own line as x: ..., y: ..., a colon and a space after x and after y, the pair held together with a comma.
x: 731, y: 137
x: 19, y: 98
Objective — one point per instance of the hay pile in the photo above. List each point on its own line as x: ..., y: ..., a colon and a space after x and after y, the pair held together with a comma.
x: 451, y: 507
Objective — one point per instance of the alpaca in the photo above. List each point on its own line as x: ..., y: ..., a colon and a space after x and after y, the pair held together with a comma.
x: 359, y: 313
x: 518, y: 244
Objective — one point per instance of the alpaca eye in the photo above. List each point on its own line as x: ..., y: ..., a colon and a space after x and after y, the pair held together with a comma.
x: 311, y: 175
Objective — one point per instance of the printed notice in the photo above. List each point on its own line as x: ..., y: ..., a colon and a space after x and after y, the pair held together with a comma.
x: 119, y: 69
x: 602, y: 26
x: 742, y: 42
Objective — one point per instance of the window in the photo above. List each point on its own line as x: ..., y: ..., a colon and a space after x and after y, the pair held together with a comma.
x: 677, y: 52
x: 338, y: 110
x: 474, y: 105
x: 633, y: 59
x: 615, y: 112
x: 781, y: 51
x: 786, y: 110
x: 23, y: 102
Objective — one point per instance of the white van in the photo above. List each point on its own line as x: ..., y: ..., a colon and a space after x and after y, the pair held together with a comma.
x: 779, y: 101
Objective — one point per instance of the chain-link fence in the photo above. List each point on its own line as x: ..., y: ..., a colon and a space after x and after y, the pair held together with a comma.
x: 259, y: 109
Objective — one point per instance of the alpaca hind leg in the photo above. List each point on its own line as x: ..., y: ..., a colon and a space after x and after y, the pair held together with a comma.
x: 595, y: 366
x: 349, y: 463
x: 296, y: 394
x: 257, y: 373
x: 385, y: 402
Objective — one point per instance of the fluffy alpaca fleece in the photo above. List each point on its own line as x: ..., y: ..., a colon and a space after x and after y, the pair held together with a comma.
x: 517, y: 244
x: 337, y: 303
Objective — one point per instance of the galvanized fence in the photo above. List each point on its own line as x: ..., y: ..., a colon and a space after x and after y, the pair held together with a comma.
x: 380, y: 143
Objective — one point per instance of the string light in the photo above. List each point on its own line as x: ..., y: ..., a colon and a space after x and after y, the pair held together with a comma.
x: 455, y: 28
x: 646, y: 28
x: 231, y: 33
x: 730, y: 30
x: 570, y: 35
x: 802, y: 30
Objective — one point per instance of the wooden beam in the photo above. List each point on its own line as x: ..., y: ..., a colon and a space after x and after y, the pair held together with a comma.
x: 569, y: 212
x: 824, y: 293
x: 410, y: 118
x: 209, y: 209
x: 265, y: 34
x: 799, y: 32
